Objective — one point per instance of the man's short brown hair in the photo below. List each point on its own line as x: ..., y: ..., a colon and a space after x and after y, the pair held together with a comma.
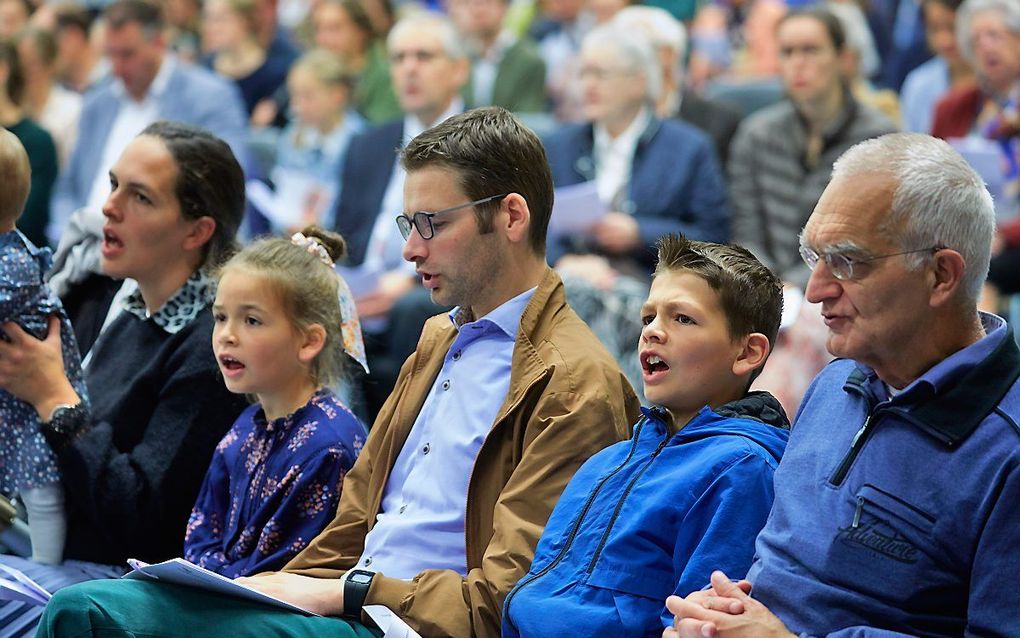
x: 751, y: 295
x: 492, y: 154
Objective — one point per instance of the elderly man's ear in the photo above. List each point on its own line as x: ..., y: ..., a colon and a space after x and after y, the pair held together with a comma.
x: 945, y: 276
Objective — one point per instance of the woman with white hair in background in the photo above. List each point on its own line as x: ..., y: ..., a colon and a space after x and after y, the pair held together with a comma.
x: 669, y: 38
x: 988, y: 33
x: 654, y: 176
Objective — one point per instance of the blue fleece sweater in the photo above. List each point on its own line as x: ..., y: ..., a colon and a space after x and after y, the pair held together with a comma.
x: 651, y: 517
x: 908, y: 525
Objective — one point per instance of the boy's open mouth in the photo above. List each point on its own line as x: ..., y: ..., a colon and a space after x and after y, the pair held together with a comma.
x: 653, y: 363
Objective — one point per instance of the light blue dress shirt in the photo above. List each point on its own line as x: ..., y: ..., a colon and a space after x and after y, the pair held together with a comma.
x: 421, y: 522
x: 921, y: 91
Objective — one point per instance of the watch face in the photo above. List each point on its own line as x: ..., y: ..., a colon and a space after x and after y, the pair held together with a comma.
x: 361, y: 579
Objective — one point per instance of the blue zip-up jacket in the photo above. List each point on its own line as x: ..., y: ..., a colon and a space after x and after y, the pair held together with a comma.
x: 650, y: 517
x: 900, y: 516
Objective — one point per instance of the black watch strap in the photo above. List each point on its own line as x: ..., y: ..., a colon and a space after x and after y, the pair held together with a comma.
x: 356, y: 586
x: 67, y: 418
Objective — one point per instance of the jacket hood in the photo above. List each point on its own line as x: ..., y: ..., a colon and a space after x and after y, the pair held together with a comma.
x: 757, y: 416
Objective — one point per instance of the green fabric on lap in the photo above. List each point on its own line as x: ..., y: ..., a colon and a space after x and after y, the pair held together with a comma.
x: 145, y: 609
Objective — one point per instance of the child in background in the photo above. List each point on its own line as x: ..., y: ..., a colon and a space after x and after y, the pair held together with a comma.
x: 284, y: 326
x: 28, y: 467
x: 690, y: 491
x: 310, y: 153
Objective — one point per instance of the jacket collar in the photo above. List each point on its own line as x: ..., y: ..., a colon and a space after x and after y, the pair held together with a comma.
x: 526, y: 366
x: 954, y: 411
x: 584, y: 166
x: 760, y: 406
x: 757, y: 405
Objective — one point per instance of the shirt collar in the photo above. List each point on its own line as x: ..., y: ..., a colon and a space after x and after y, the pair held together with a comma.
x: 952, y: 367
x: 413, y: 127
x: 284, y: 423
x: 159, y: 84
x: 628, y: 139
x: 506, y: 317
x: 497, y: 51
x: 180, y: 309
x: 954, y: 396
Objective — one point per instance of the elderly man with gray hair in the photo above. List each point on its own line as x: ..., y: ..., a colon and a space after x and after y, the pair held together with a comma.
x: 895, y: 508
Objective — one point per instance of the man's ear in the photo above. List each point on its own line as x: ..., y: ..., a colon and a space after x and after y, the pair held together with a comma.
x: 752, y: 355
x: 202, y: 230
x: 945, y: 276
x: 518, y: 218
x: 312, y: 344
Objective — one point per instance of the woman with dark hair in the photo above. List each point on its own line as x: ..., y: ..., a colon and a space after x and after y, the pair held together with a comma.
x: 42, y: 153
x: 133, y: 462
x: 230, y: 37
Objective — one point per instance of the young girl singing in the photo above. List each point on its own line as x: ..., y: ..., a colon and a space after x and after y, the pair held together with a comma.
x: 284, y: 325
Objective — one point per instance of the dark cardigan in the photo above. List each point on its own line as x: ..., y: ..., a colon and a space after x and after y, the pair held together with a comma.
x: 158, y: 410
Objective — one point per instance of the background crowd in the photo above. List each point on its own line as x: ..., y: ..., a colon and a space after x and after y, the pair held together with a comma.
x: 720, y: 120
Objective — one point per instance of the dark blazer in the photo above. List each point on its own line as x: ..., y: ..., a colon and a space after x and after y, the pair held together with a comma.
x: 676, y: 183
x: 714, y: 117
x: 368, y: 167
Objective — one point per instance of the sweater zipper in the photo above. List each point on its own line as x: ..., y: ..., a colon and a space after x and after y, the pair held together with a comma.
x: 619, y: 504
x: 578, y: 521
x: 851, y: 455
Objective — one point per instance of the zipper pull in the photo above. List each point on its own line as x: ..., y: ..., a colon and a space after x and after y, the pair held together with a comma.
x: 857, y: 513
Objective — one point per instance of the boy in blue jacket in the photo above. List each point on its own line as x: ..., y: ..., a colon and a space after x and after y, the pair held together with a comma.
x: 690, y: 490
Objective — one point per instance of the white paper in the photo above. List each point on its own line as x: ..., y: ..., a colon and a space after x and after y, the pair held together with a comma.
x: 576, y: 208
x: 14, y: 585
x: 285, y: 206
x: 390, y: 623
x: 181, y: 572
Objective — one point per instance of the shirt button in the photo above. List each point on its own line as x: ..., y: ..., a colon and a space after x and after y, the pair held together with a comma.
x: 427, y: 448
x: 403, y: 508
x: 456, y: 356
x: 368, y: 561
x: 446, y: 384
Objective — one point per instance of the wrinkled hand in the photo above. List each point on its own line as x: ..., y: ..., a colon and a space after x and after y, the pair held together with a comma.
x: 616, y: 233
x: 323, y: 596
x: 725, y: 610
x: 33, y: 370
x: 379, y: 302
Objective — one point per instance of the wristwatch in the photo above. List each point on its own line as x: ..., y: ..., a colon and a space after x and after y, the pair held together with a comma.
x: 356, y: 587
x: 66, y: 419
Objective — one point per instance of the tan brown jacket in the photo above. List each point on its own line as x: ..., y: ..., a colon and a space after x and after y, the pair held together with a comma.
x: 567, y: 400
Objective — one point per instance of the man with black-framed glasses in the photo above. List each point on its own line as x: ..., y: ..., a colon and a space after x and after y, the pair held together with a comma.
x: 895, y: 507
x: 503, y: 399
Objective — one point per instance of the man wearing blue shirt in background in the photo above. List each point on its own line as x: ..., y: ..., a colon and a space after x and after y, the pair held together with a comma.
x: 895, y: 508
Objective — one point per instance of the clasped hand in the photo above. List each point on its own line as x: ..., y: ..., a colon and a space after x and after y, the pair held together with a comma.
x: 726, y: 609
